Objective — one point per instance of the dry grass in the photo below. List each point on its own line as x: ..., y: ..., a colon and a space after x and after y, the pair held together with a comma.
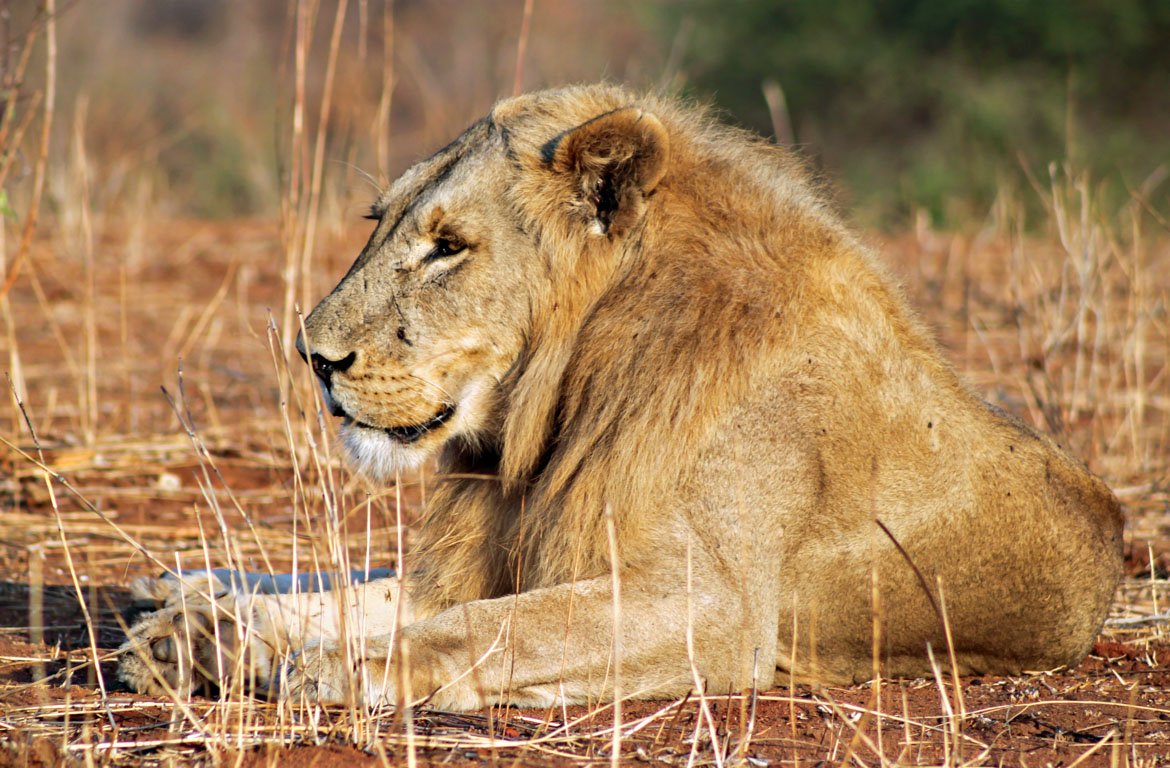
x: 104, y: 477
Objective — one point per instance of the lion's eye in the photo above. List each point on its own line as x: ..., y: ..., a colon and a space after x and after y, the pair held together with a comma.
x: 445, y: 246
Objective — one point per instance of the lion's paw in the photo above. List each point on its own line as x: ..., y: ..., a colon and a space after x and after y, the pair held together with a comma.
x: 326, y: 674
x: 193, y: 639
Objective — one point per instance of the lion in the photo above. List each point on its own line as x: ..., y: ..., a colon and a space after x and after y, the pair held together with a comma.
x: 689, y: 436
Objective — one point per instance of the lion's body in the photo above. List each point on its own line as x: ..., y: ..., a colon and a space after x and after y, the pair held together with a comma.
x: 656, y: 327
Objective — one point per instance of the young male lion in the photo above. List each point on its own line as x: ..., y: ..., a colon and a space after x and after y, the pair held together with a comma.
x: 635, y: 337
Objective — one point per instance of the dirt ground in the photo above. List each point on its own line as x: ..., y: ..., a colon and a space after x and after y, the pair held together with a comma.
x: 220, y: 458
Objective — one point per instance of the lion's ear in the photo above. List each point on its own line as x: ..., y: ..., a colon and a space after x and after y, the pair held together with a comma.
x: 615, y: 160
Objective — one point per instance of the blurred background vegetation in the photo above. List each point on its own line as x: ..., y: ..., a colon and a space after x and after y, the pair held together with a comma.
x: 907, y: 106
x: 938, y: 104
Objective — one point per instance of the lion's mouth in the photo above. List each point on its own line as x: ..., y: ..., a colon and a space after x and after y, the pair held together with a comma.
x: 411, y: 433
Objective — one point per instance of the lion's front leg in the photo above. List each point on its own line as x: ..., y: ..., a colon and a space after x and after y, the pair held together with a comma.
x: 555, y: 645
x: 206, y: 628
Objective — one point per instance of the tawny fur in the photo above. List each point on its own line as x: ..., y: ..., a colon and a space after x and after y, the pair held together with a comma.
x: 655, y: 319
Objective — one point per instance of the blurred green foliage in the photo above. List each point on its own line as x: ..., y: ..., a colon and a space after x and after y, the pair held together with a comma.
x: 938, y: 104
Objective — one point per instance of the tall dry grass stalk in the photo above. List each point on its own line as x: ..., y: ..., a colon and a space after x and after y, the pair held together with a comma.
x: 381, y: 126
x: 301, y: 205
x: 46, y: 21
x: 615, y: 748
x: 19, y: 112
x: 522, y: 48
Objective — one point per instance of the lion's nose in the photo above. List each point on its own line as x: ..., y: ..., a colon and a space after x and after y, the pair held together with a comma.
x: 325, y: 368
x: 323, y: 365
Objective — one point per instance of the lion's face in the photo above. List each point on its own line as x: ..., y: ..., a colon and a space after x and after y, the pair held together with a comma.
x: 413, y: 345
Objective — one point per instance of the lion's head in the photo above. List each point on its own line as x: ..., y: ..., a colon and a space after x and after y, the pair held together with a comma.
x: 482, y: 255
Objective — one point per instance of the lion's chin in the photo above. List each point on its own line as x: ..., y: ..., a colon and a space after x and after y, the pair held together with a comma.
x: 380, y: 452
x: 379, y: 456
